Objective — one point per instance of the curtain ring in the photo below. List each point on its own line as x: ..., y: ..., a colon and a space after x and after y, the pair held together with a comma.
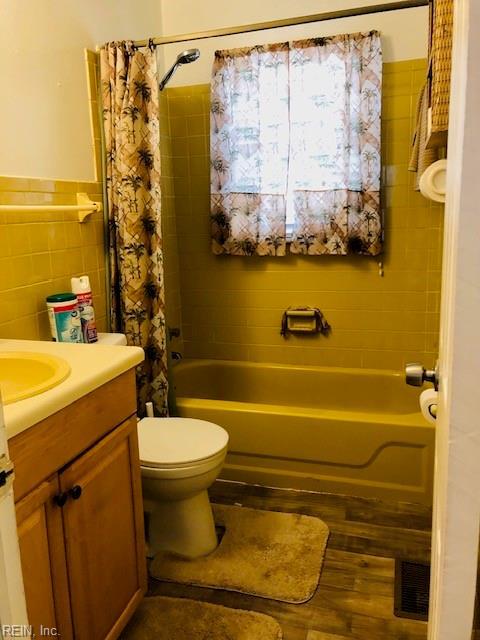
x: 151, y: 45
x: 130, y: 47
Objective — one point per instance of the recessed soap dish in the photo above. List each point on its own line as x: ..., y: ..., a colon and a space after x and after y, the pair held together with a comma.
x: 304, y: 320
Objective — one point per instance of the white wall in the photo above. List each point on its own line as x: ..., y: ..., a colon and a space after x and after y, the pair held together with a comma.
x: 44, y: 114
x: 44, y: 111
x: 404, y: 33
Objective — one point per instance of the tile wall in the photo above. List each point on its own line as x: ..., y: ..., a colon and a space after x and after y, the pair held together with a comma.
x: 231, y: 306
x: 41, y: 251
x: 169, y: 228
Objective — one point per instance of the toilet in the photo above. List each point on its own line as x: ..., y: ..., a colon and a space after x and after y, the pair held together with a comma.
x: 180, y: 458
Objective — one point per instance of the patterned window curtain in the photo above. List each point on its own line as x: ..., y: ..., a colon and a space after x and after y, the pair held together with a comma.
x: 130, y: 103
x: 249, y: 150
x: 335, y: 106
x: 328, y: 153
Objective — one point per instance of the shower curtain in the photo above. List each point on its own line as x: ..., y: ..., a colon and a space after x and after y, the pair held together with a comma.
x: 131, y: 124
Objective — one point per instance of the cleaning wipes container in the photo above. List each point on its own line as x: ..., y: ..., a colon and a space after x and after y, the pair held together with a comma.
x: 81, y: 288
x: 64, y: 316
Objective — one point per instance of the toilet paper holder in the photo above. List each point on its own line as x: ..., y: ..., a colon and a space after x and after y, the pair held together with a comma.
x: 429, y: 404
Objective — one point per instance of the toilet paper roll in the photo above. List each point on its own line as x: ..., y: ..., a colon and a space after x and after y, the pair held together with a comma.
x: 428, y: 404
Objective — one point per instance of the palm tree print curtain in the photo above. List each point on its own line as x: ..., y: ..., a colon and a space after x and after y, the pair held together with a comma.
x: 327, y: 155
x: 130, y: 108
x: 249, y: 150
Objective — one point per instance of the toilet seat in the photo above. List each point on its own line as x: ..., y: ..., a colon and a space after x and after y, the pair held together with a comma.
x: 176, y: 443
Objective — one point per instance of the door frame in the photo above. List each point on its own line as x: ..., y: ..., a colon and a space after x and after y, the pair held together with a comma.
x: 457, y: 469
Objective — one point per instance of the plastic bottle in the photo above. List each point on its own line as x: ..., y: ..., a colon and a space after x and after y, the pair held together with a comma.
x: 81, y: 288
x: 64, y: 317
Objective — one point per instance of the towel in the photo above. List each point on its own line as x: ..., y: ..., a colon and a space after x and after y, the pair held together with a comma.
x: 421, y: 157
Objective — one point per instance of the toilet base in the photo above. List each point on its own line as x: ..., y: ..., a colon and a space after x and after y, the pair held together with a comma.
x: 185, y: 527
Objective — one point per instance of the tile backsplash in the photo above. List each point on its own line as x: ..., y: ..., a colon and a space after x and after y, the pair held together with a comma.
x: 231, y: 306
x: 40, y: 251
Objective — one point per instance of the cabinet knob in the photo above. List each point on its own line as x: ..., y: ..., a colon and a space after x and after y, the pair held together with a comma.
x: 75, y: 492
x: 60, y: 499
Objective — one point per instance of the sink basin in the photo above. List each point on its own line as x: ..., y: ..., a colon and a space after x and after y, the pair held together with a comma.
x: 26, y: 374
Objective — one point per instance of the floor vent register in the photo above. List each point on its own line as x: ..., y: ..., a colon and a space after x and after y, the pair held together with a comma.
x: 412, y: 589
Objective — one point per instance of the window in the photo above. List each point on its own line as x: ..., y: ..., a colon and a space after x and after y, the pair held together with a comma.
x: 295, y: 147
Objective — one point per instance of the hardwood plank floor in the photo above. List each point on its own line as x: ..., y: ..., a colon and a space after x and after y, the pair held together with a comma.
x: 354, y: 599
x: 361, y: 525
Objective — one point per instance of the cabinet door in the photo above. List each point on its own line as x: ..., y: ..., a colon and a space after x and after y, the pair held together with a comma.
x: 42, y: 551
x: 103, y: 522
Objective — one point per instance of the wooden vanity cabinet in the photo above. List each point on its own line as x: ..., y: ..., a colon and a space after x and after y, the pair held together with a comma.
x: 40, y: 534
x: 81, y: 528
x: 103, y: 551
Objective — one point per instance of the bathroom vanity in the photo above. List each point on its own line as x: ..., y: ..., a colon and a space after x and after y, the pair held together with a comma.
x: 79, y: 502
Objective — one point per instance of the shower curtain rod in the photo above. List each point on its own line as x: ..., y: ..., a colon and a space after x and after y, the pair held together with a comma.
x: 286, y: 22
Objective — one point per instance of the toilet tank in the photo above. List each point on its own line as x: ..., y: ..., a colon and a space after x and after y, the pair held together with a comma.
x: 112, y: 339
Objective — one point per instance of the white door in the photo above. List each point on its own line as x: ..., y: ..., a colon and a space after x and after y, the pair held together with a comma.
x: 12, y: 598
x: 457, y: 477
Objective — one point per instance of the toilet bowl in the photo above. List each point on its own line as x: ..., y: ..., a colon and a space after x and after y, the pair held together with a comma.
x: 180, y: 458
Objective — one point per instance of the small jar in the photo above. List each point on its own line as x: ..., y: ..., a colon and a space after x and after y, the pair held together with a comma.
x: 64, y: 317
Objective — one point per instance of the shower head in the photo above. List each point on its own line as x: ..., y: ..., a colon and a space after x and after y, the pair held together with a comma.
x: 190, y: 55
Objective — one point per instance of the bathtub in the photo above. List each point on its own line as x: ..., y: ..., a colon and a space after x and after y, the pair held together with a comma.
x: 351, y: 431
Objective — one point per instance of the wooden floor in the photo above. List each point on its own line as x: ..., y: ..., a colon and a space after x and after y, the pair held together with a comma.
x: 355, y: 596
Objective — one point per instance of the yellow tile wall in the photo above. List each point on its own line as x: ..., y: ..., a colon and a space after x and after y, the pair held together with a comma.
x: 231, y: 306
x: 41, y: 251
x: 169, y: 228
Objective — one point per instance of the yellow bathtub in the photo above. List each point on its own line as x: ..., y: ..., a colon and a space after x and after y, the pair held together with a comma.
x: 352, y: 431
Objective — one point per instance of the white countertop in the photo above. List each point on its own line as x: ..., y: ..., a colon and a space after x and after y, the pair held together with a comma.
x: 92, y: 365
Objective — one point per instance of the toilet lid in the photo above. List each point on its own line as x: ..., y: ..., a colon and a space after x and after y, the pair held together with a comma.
x: 169, y: 442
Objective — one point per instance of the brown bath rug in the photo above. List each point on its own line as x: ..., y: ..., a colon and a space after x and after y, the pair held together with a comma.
x: 162, y: 618
x: 262, y: 553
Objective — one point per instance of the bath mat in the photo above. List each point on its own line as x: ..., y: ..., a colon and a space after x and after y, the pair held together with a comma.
x: 162, y: 618
x: 262, y: 553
